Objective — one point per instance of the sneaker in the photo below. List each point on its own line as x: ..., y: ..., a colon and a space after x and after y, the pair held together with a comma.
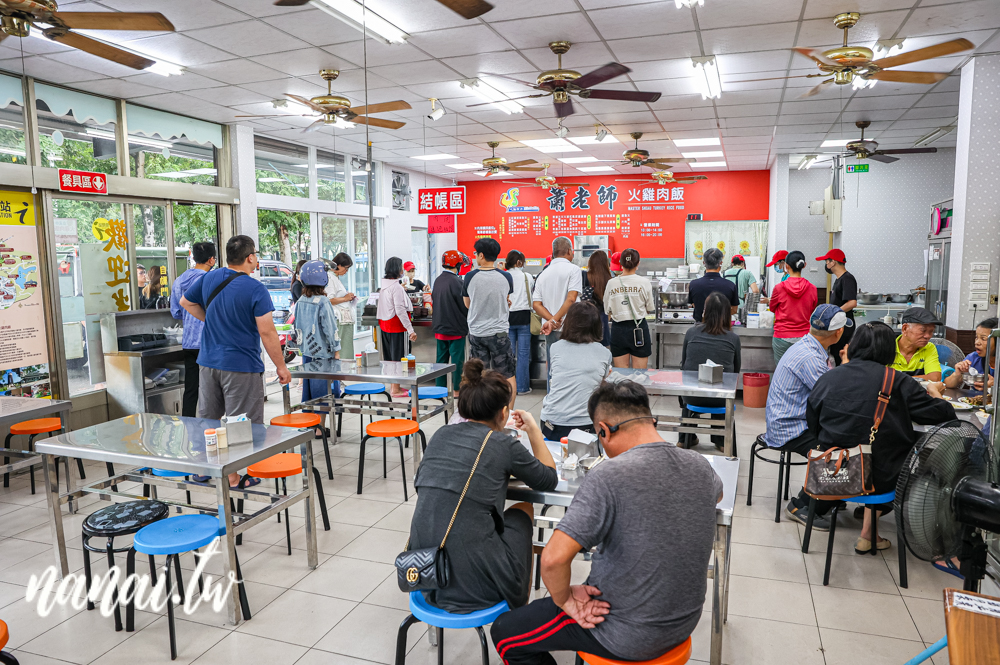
x: 525, y: 392
x: 801, y: 515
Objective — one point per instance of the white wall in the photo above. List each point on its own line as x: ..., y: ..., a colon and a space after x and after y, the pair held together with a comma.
x: 777, y: 228
x: 398, y: 223
x: 805, y: 231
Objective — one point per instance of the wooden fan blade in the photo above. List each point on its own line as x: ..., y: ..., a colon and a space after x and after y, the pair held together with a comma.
x: 378, y: 122
x: 816, y: 55
x: 565, y: 109
x: 313, y: 127
x: 633, y: 180
x: 101, y: 50
x: 936, y: 51
x: 511, y: 78
x: 671, y: 160
x: 601, y: 74
x: 384, y: 107
x: 775, y: 78
x: 885, y: 159
x: 691, y: 181
x: 622, y: 95
x: 815, y: 90
x: 571, y: 184
x: 907, y: 151
x: 307, y: 102
x: 910, y: 77
x: 290, y: 3
x: 523, y: 162
x: 467, y: 8
x: 525, y: 168
x: 115, y: 21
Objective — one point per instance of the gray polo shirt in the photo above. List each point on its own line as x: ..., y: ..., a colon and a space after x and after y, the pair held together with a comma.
x: 577, y: 371
x: 487, y: 291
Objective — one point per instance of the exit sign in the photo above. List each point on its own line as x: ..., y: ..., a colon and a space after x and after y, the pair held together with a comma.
x: 857, y: 168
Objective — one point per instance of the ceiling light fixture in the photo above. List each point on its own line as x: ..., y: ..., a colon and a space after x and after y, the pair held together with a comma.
x: 707, y: 76
x: 601, y: 136
x: 437, y: 156
x: 859, y: 83
x: 938, y: 133
x: 488, y: 93
x: 353, y: 14
x: 436, y: 112
x: 692, y: 143
x: 561, y: 132
x: 889, y: 44
x: 279, y: 103
x: 466, y: 166
x: 681, y: 4
x: 702, y: 155
x: 835, y: 143
x: 709, y: 165
x: 807, y: 161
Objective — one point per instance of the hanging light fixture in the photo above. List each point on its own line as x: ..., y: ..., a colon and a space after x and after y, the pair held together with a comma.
x: 707, y: 76
x: 681, y: 4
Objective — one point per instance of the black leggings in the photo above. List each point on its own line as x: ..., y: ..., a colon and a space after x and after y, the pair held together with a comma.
x: 525, y: 636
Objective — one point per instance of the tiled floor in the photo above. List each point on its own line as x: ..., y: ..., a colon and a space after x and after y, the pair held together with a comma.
x: 346, y: 611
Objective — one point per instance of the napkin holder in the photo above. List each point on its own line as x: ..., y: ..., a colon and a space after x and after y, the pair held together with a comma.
x: 370, y: 359
x: 709, y: 373
x: 240, y: 431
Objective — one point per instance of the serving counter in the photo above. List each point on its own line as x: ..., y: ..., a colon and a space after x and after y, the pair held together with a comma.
x: 755, y: 345
x: 424, y: 348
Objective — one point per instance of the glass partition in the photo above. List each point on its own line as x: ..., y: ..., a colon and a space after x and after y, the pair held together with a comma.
x: 195, y: 223
x: 12, y: 121
x: 330, y: 180
x: 282, y: 168
x: 284, y: 236
x: 76, y: 130
x: 165, y: 146
x: 361, y: 270
x: 334, y: 237
x: 150, y: 223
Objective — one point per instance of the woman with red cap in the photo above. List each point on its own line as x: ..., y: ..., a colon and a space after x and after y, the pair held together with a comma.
x: 411, y: 283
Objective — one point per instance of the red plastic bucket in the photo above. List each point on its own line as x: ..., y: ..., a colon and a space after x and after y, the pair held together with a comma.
x: 755, y: 385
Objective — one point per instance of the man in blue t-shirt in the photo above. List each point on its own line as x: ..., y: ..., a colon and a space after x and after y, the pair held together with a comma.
x: 236, y: 309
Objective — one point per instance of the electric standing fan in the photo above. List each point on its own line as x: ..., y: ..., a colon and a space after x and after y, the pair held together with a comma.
x: 947, y: 491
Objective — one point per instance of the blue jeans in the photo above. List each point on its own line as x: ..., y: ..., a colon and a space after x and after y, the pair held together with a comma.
x: 520, y: 340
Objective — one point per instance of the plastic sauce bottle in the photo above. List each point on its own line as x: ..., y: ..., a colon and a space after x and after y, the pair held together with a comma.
x: 211, y: 441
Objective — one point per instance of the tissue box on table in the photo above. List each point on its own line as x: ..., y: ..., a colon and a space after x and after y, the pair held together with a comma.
x: 238, y: 429
x: 709, y: 373
x: 371, y: 359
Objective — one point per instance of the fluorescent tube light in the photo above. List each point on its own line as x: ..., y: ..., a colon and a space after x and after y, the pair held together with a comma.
x: 469, y: 165
x: 354, y: 14
x: 594, y: 169
x: 835, y: 143
x: 698, y: 165
x: 701, y: 155
x: 12, y: 151
x: 807, y: 161
x: 488, y: 93
x: 691, y: 143
x: 578, y: 160
x: 437, y: 156
x: 680, y: 4
x: 706, y: 77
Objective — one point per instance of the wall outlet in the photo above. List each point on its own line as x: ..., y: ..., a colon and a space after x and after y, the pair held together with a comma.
x: 976, y: 267
x: 993, y: 300
x: 977, y: 305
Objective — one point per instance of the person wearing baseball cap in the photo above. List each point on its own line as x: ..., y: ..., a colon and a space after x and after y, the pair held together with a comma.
x: 316, y: 325
x: 843, y: 294
x: 450, y: 316
x: 797, y: 372
x: 412, y: 283
x: 778, y: 261
x: 616, y: 266
x: 915, y: 355
x: 743, y: 279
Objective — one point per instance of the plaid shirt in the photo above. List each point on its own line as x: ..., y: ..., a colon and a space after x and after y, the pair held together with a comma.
x: 793, y: 380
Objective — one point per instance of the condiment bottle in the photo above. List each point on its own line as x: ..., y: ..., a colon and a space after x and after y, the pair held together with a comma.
x: 411, y: 361
x: 357, y: 359
x: 565, y: 446
x: 211, y: 441
x: 220, y: 432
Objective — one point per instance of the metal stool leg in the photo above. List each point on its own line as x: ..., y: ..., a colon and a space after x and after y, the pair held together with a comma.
x: 440, y: 634
x: 276, y: 490
x: 829, y: 545
x: 781, y: 481
x: 244, y: 603
x: 401, y: 639
x: 87, y: 575
x: 361, y: 463
x: 111, y: 472
x: 402, y: 468
x: 170, y: 610
x: 538, y: 557
x: 788, y: 473
x: 180, y: 580
x: 326, y: 451
x: 753, y: 453
x: 288, y: 522
x: 874, y: 548
x: 385, y: 463
x: 201, y: 578
x: 321, y: 498
x: 809, y: 526
x: 484, y: 645
x: 114, y: 594
x: 6, y: 461
x: 901, y: 550
x: 127, y: 591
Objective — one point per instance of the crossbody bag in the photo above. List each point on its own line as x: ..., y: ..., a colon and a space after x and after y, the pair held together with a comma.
x: 638, y: 338
x: 428, y: 568
x: 837, y: 474
x: 536, y: 321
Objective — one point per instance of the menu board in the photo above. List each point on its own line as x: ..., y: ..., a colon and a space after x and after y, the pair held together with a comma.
x: 634, y: 211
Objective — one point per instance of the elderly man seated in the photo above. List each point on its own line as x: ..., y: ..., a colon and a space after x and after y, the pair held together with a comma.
x: 647, y: 584
x: 915, y: 355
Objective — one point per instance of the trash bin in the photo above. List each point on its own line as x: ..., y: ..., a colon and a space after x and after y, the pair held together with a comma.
x: 755, y: 385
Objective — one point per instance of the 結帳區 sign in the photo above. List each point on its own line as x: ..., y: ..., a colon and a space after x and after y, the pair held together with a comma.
x: 441, y: 201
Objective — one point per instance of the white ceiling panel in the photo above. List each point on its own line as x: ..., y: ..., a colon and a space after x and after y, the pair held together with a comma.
x: 315, y: 27
x: 641, y: 20
x: 466, y: 40
x: 281, y: 87
x: 117, y: 88
x: 248, y: 38
x: 229, y: 95
x: 654, y: 48
x: 429, y: 71
x: 512, y: 9
x: 538, y: 32
x: 377, y: 53
x: 503, y: 62
x: 237, y: 71
x: 744, y: 39
x: 179, y: 49
x: 749, y: 121
x: 258, y: 8
x: 871, y: 28
x: 304, y: 62
x: 416, y: 15
x: 48, y: 70
x: 746, y: 63
x: 736, y: 13
x: 747, y: 110
x: 581, y: 56
x: 966, y: 15
x: 189, y: 81
x: 184, y: 14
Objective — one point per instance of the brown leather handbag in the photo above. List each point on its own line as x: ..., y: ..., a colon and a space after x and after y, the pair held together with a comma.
x: 836, y: 473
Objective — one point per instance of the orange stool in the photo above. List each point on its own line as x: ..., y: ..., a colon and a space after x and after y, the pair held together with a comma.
x: 31, y: 429
x: 5, y: 658
x: 395, y: 428
x: 305, y: 420
x: 676, y: 656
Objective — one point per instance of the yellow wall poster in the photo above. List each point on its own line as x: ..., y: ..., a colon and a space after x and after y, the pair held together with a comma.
x: 23, y: 353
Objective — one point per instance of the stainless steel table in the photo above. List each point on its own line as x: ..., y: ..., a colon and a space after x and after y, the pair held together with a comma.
x: 686, y: 384
x: 175, y: 443
x: 386, y: 372
x: 728, y: 471
x: 14, y: 410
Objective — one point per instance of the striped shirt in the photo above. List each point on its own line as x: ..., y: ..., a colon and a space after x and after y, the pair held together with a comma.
x: 793, y: 380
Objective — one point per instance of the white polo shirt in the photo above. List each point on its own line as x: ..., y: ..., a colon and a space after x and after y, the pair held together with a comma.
x: 552, y: 285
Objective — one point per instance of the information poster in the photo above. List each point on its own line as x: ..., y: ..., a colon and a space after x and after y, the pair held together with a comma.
x: 23, y: 353
x: 634, y: 211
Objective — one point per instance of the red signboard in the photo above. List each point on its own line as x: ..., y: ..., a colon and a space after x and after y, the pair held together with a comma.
x: 643, y: 215
x: 82, y: 181
x: 440, y: 223
x: 441, y: 201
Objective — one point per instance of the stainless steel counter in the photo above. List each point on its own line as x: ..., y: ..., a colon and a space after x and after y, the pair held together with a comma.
x: 755, y: 343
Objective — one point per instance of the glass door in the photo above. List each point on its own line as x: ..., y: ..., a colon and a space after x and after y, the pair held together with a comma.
x: 153, y: 274
x: 361, y: 272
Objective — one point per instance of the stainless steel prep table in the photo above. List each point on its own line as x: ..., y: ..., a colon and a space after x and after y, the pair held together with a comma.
x: 686, y: 384
x: 386, y: 372
x: 14, y: 410
x: 755, y: 346
x: 728, y: 471
x: 176, y: 443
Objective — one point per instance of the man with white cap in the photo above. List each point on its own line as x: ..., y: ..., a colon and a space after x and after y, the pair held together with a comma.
x: 796, y: 374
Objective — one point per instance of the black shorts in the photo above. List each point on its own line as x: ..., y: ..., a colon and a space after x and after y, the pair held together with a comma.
x: 393, y: 346
x: 496, y: 353
x: 623, y: 337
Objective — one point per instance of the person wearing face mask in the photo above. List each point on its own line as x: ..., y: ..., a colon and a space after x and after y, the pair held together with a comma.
x: 843, y: 294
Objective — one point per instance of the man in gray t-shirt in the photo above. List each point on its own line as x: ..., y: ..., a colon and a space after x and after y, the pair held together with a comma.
x: 650, y: 513
x: 487, y: 295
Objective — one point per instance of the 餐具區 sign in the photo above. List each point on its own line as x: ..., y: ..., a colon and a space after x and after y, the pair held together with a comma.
x: 82, y: 181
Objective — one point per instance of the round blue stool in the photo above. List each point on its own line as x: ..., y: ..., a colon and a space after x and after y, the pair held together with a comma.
x: 421, y: 610
x: 363, y: 389
x: 164, y: 473
x: 172, y: 537
x: 711, y: 410
x: 435, y: 392
x: 717, y: 410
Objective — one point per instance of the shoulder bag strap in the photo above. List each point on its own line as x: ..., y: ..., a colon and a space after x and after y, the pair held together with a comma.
x: 883, y: 401
x: 465, y: 489
x: 628, y: 299
x: 527, y: 290
x: 219, y: 288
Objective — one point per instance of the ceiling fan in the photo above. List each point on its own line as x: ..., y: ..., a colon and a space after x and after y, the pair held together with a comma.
x: 637, y: 157
x: 849, y: 64
x: 547, y: 182
x: 867, y: 149
x: 666, y: 177
x: 17, y: 17
x: 466, y: 8
x: 495, y: 165
x: 333, y: 107
x: 561, y: 83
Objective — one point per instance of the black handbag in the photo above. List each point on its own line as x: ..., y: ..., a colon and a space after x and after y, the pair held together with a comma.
x: 427, y: 569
